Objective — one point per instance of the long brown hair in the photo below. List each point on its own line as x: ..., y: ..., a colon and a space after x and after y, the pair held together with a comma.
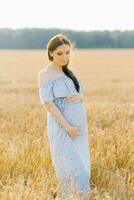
x: 55, y: 42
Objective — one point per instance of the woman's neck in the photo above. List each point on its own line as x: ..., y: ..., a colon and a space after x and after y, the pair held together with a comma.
x: 55, y: 67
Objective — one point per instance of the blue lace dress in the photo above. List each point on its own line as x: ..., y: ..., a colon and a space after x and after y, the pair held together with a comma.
x: 70, y: 157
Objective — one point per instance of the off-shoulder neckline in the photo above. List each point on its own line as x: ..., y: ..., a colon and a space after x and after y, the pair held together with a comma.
x: 58, y: 76
x: 55, y: 78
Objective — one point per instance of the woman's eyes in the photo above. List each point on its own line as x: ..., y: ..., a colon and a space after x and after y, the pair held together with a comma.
x: 61, y: 54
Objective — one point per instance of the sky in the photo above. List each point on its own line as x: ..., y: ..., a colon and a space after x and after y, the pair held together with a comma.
x: 76, y: 15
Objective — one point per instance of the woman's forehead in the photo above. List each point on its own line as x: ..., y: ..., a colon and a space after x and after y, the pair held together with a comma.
x: 63, y: 47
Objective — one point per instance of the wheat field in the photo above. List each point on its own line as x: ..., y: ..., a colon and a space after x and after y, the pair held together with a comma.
x: 26, y: 171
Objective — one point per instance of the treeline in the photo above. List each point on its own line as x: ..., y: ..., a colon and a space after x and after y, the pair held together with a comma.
x: 37, y: 38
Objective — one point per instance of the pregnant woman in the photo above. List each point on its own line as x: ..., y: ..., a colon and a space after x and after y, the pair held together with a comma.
x: 61, y: 93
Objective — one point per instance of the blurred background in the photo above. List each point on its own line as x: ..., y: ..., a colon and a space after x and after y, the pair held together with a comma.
x: 103, y: 34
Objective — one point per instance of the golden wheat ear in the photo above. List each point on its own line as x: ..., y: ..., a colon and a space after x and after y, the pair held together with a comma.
x: 54, y: 195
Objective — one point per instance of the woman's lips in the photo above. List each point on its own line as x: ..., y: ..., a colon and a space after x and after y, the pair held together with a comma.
x: 64, y: 61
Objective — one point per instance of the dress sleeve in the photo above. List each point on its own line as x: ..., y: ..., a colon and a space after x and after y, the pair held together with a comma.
x: 45, y: 89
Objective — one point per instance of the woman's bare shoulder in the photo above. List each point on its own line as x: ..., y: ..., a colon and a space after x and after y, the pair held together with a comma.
x: 44, y: 76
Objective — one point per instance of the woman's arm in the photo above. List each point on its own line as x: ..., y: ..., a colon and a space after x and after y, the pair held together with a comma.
x: 50, y: 107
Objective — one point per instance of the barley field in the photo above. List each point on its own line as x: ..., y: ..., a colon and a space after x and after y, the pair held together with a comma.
x: 26, y: 171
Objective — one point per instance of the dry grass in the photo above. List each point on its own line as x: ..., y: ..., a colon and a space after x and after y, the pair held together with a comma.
x: 26, y: 171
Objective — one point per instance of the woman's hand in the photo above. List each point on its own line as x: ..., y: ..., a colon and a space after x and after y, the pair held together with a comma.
x: 74, y: 98
x: 73, y: 132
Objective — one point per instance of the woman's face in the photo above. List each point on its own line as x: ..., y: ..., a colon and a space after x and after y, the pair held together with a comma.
x: 61, y: 55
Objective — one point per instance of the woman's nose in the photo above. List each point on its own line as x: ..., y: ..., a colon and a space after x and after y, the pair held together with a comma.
x: 65, y: 58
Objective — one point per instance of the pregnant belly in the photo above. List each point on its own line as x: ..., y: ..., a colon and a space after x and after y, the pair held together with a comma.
x: 75, y: 113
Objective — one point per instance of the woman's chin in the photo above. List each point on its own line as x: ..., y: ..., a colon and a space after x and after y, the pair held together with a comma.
x: 64, y: 63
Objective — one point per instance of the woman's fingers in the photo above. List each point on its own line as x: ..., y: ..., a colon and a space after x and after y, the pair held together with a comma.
x: 73, y: 98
